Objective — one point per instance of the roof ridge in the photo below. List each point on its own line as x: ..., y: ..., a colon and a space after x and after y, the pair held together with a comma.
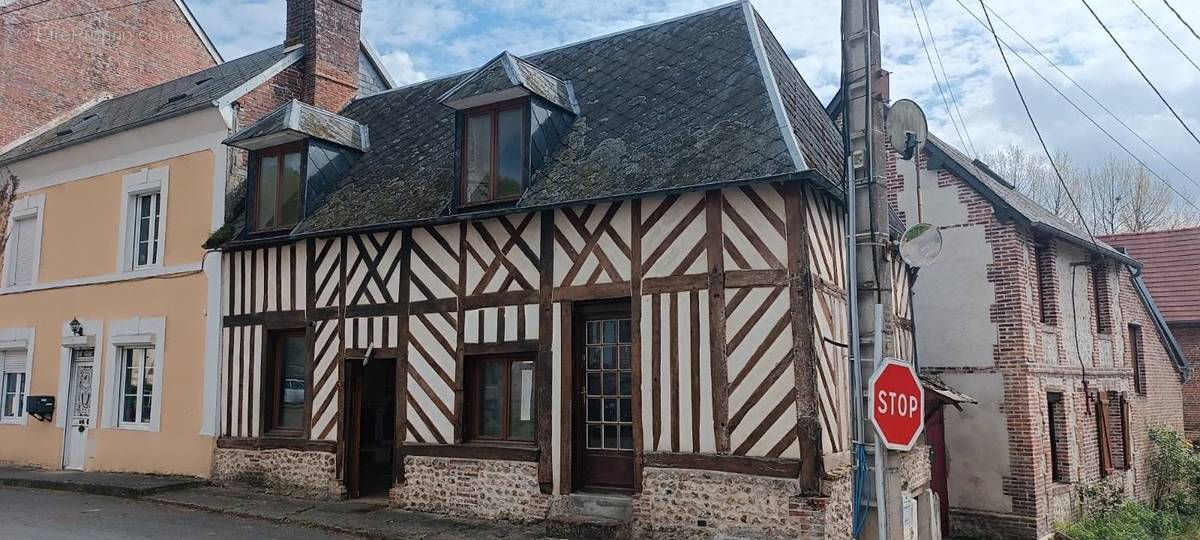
x: 560, y: 47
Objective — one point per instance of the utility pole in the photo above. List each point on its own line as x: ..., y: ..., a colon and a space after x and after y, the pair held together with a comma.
x: 865, y: 88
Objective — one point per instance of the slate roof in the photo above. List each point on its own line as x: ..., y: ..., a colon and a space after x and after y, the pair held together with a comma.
x: 506, y: 72
x: 1008, y: 200
x: 304, y: 120
x: 667, y: 107
x: 1168, y: 266
x: 172, y: 98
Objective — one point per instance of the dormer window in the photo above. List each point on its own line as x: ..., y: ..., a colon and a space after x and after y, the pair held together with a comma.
x: 495, y: 154
x: 279, y: 188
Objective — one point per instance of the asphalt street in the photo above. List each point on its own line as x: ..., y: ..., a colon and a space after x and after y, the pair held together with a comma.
x: 36, y: 515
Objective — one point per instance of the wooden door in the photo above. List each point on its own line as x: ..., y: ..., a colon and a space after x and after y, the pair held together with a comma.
x: 603, y: 408
x: 370, y: 426
x: 935, y: 434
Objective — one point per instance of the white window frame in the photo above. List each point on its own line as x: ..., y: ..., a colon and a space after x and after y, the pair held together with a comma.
x: 149, y: 354
x: 12, y: 340
x: 31, y: 207
x: 143, y: 182
x: 136, y: 333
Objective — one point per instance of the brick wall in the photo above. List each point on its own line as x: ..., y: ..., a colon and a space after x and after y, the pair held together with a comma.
x: 1188, y: 336
x: 50, y: 68
x: 488, y: 489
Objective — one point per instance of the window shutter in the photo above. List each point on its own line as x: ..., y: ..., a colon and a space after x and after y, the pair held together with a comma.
x: 24, y: 231
x: 1102, y: 436
x: 14, y: 361
x: 1125, y: 431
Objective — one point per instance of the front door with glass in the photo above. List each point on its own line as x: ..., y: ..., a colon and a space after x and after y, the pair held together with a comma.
x: 604, y: 404
x: 79, y: 408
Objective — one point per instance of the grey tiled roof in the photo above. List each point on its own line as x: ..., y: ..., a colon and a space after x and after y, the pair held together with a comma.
x: 508, y: 71
x: 672, y: 106
x: 305, y: 120
x: 172, y: 98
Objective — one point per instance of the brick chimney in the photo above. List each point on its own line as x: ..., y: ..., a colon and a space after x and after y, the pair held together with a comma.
x: 329, y: 30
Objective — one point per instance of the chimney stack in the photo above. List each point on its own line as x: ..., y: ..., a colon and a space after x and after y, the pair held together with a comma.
x: 329, y: 31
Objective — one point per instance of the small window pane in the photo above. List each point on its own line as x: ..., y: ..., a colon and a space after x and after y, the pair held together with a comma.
x: 510, y: 160
x: 490, y: 403
x: 520, y: 407
x: 593, y: 357
x: 289, y: 190
x: 148, y: 386
x: 479, y: 158
x: 593, y: 409
x: 624, y: 333
x: 610, y: 438
x: 624, y: 351
x: 610, y: 384
x: 594, y: 437
x: 268, y: 184
x: 626, y: 410
x: 14, y: 395
x: 293, y: 382
x: 626, y: 437
x: 610, y: 357
x: 626, y: 384
x: 610, y: 410
x: 610, y: 331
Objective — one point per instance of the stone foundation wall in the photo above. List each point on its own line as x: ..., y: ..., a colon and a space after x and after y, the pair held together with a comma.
x: 288, y: 472
x: 488, y: 489
x: 686, y: 503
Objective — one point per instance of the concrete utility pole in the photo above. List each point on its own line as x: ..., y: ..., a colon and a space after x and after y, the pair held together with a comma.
x: 865, y: 92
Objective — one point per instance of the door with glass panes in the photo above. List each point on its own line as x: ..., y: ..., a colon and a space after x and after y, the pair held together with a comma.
x: 603, y: 358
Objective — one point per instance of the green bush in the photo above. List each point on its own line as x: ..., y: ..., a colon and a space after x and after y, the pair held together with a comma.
x: 1173, y: 513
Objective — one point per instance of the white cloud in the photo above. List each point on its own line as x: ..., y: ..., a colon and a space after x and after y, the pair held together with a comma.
x: 400, y: 65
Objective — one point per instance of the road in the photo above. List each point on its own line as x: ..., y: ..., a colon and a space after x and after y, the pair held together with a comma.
x: 35, y: 515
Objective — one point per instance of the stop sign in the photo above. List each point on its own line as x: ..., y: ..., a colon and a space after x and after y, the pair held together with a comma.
x: 897, y: 404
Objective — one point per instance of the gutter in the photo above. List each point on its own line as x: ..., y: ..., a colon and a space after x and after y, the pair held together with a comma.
x: 807, y: 175
x: 1160, y: 324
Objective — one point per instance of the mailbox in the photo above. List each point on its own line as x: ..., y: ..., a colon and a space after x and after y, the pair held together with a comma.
x: 40, y: 407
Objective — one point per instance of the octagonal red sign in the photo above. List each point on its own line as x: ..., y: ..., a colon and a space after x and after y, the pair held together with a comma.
x: 897, y: 404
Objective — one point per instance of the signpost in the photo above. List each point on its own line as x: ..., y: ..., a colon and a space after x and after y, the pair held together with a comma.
x: 897, y: 404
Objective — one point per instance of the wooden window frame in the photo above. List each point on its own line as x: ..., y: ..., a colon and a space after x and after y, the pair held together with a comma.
x: 1043, y: 264
x: 494, y: 110
x: 472, y: 417
x: 272, y: 373
x: 1054, y: 405
x: 278, y: 152
x: 1137, y: 358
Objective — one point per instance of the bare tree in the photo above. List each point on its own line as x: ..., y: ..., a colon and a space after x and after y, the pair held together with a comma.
x: 8, y: 191
x: 1116, y: 196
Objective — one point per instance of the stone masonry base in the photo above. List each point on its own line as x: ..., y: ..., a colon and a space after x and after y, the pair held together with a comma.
x: 487, y: 489
x: 288, y: 472
x: 686, y: 503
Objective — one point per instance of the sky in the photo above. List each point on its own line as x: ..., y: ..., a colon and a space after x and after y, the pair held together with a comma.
x: 421, y: 39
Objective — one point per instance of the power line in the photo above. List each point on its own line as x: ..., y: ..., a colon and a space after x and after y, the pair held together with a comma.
x: 83, y: 14
x: 1032, y: 122
x: 1140, y: 72
x: 1164, y: 33
x: 941, y: 90
x: 1082, y: 89
x: 953, y: 99
x: 1110, y: 136
x: 1180, y: 17
x: 19, y: 8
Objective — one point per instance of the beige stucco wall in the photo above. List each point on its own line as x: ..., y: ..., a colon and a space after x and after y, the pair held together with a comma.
x: 81, y: 226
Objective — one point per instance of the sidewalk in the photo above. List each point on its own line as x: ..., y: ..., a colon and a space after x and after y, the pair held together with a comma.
x: 366, y: 518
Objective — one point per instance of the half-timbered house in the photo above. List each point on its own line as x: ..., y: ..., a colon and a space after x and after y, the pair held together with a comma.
x: 608, y: 278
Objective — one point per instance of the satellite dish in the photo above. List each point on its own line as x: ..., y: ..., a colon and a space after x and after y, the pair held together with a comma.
x: 921, y: 245
x: 906, y: 127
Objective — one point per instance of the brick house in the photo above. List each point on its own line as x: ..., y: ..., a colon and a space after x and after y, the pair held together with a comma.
x: 606, y: 279
x: 1056, y: 337
x: 1168, y: 259
x: 105, y: 287
x: 51, y: 68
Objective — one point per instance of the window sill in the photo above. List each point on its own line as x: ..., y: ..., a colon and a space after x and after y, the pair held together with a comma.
x: 14, y: 421
x: 476, y: 450
x: 108, y: 278
x: 135, y: 427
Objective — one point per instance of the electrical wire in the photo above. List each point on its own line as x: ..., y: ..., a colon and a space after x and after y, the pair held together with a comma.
x: 1165, y: 34
x: 19, y: 8
x: 937, y: 80
x: 85, y: 13
x: 953, y: 99
x: 1085, y: 91
x: 1180, y: 17
x: 1140, y: 72
x: 1033, y: 122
